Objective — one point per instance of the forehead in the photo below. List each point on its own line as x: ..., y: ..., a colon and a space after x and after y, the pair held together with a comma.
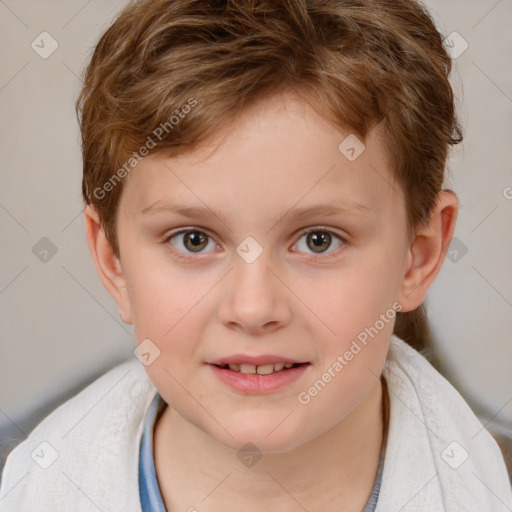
x: 278, y: 154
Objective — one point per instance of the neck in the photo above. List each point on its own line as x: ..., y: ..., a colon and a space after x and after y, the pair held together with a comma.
x: 339, y: 467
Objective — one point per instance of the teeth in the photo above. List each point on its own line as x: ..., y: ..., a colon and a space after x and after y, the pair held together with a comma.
x: 247, y: 368
x: 265, y: 369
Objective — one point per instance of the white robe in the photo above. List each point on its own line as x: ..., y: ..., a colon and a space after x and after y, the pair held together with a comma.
x: 439, y: 457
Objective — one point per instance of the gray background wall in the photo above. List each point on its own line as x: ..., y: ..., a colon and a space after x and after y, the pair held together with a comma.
x: 60, y: 328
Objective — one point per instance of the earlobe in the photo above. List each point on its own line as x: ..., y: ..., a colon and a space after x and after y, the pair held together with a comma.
x: 428, y: 250
x: 107, y: 265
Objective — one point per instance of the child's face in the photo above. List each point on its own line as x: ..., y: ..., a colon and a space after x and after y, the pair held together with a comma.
x: 199, y: 307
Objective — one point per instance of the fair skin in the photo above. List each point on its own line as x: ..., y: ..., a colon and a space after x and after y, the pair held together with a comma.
x: 278, y: 156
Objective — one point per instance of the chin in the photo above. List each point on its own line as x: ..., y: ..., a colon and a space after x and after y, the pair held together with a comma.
x: 267, y: 437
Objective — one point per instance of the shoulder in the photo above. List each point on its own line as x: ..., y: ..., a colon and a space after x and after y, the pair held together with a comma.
x: 427, y: 394
x: 92, y: 437
x: 436, y: 443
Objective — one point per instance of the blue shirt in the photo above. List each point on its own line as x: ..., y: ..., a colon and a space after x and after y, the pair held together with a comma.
x: 149, y: 490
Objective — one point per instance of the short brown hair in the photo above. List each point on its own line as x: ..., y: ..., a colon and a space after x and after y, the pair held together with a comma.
x: 362, y: 62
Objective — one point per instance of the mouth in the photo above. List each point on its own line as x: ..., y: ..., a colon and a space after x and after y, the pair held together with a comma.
x: 263, y: 369
x: 254, y: 379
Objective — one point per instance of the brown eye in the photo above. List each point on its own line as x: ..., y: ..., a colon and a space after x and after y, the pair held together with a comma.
x: 319, y: 241
x: 190, y: 241
x: 195, y: 241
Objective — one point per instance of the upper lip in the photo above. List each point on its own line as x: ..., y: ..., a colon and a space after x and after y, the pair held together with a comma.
x: 255, y: 360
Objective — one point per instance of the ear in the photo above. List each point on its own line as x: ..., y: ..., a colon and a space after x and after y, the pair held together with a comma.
x: 427, y: 251
x: 107, y: 265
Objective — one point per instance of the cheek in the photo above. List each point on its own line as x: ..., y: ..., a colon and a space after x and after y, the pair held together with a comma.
x: 159, y: 295
x: 166, y: 309
x: 355, y: 311
x: 352, y: 342
x: 348, y: 300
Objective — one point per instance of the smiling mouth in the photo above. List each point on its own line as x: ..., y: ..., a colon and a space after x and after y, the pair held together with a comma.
x: 264, y: 369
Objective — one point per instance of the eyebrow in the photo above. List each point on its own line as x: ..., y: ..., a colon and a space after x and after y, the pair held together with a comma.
x: 201, y: 212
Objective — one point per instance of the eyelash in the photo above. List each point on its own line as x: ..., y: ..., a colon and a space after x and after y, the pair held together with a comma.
x: 316, y: 229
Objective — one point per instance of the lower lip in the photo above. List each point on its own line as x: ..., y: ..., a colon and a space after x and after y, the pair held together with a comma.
x: 253, y: 383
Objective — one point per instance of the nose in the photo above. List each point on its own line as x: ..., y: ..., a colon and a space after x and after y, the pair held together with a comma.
x: 255, y: 299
